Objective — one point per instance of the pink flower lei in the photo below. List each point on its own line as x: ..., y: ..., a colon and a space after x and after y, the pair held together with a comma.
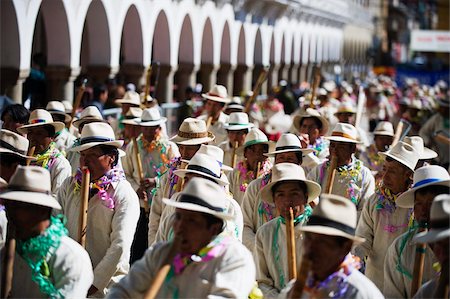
x: 102, y: 185
x: 248, y: 176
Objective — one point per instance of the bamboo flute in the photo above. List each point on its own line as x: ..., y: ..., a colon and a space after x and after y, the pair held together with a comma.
x: 137, y: 155
x: 85, y: 182
x: 290, y: 238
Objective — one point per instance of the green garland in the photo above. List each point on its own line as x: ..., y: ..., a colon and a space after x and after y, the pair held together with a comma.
x: 36, y: 251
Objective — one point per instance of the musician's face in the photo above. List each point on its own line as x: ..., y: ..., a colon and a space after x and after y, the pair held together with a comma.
x: 193, y: 231
x: 289, y: 194
x: 288, y: 157
x: 440, y: 250
x: 237, y: 135
x: 309, y: 126
x: 255, y: 153
x: 382, y: 142
x: 396, y: 176
x: 39, y: 138
x: 212, y: 107
x: 346, y: 117
x: 150, y: 132
x: 422, y: 205
x: 342, y: 151
x: 97, y: 162
x: 188, y: 151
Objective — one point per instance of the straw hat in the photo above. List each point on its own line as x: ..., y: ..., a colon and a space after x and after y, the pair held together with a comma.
x: 68, y: 107
x: 425, y: 176
x: 278, y: 122
x: 289, y: 142
x: 311, y: 113
x: 404, y: 154
x: 329, y: 86
x: 236, y: 103
x: 204, y: 165
x: 346, y: 107
x: 148, y: 99
x: 3, y: 183
x: 343, y: 132
x: 283, y: 172
x: 192, y: 131
x: 31, y: 184
x: 218, y: 93
x: 130, y: 97
x: 215, y: 152
x: 384, y: 128
x: 90, y: 113
x: 439, y: 228
x: 255, y: 136
x: 56, y: 107
x: 13, y: 143
x: 202, y: 195
x: 41, y: 117
x: 333, y: 216
x: 133, y: 114
x: 94, y: 134
x: 150, y: 118
x: 417, y: 143
x: 238, y: 121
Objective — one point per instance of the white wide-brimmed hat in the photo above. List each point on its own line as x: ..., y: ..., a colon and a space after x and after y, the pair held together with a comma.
x: 283, y: 172
x: 89, y: 114
x: 94, y: 134
x: 151, y: 117
x: 41, y: 117
x: 255, y: 136
x: 192, y: 131
x: 132, y: 115
x: 218, y: 93
x: 215, y: 152
x: 329, y: 86
x: 346, y: 107
x: 3, y: 183
x: 57, y: 107
x: 289, y: 142
x: 148, y: 98
x: 384, y: 128
x: 344, y: 132
x: 439, y: 228
x: 417, y: 143
x: 130, y: 97
x: 68, y: 106
x: 31, y: 184
x: 429, y: 175
x: 311, y: 113
x: 404, y: 154
x: 202, y: 195
x: 13, y: 143
x: 238, y: 121
x: 204, y: 165
x: 334, y: 216
x: 236, y: 103
x: 278, y: 123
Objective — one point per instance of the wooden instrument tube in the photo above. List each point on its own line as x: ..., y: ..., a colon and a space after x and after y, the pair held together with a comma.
x: 315, y: 85
x: 137, y: 155
x: 85, y: 182
x: 78, y: 98
x: 30, y: 154
x: 261, y: 78
x: 297, y: 289
x: 398, y: 133
x: 330, y: 176
x: 290, y: 238
x: 233, y: 154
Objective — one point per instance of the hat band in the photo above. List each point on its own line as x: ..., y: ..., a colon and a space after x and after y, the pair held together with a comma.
x: 6, y: 145
x: 317, y: 220
x: 95, y: 139
x: 253, y: 142
x: 287, y: 147
x: 342, y: 134
x: 426, y: 181
x: 192, y: 135
x: 55, y: 110
x: 198, y: 201
x: 28, y: 189
x: 38, y: 121
x: 439, y: 224
x: 237, y: 124
x: 215, y: 95
x: 202, y: 169
x: 146, y: 121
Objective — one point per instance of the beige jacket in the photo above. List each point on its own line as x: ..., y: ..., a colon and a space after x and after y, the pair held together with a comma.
x: 273, y: 275
x: 398, y: 284
x: 109, y: 233
x: 379, y: 228
x: 229, y: 275
x: 218, y: 128
x: 433, y: 125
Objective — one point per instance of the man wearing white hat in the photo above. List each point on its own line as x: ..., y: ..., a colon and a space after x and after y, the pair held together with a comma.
x: 204, y: 263
x: 429, y: 182
x: 346, y: 113
x: 383, y: 135
x: 289, y: 188
x: 215, y: 101
x: 352, y: 180
x: 256, y: 210
x: 191, y: 135
x: 130, y: 128
x: 47, y: 262
x: 328, y: 238
x: 63, y: 139
x: 381, y: 219
x: 40, y: 132
x: 255, y: 146
x: 426, y: 155
x: 155, y: 152
x: 13, y: 152
x: 438, y: 238
x: 237, y: 128
x: 113, y: 209
x: 130, y: 99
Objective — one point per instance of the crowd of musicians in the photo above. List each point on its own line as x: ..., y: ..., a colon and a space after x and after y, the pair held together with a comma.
x: 341, y: 191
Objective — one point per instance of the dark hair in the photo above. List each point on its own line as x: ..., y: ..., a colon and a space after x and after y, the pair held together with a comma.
x: 18, y: 113
x: 299, y: 157
x: 316, y: 120
x: 434, y: 189
x: 211, y: 220
x: 301, y: 184
x: 59, y: 117
x: 50, y: 130
x: 99, y: 89
x: 8, y: 159
x: 110, y: 151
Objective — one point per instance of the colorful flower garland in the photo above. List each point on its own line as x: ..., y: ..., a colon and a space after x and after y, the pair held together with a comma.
x: 248, y: 176
x: 375, y: 160
x: 36, y: 251
x: 173, y: 179
x: 318, y: 146
x: 265, y: 209
x: 160, y: 145
x: 47, y: 160
x: 102, y: 185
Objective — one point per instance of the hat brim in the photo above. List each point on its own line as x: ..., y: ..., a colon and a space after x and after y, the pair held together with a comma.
x: 197, y: 208
x: 330, y: 231
x: 314, y: 189
x: 431, y: 236
x: 35, y: 198
x: 130, y: 122
x: 235, y: 106
x: 401, y: 161
x: 67, y: 118
x: 152, y: 123
x: 182, y: 173
x: 384, y: 133
x: 428, y: 154
x: 341, y: 139
x: 120, y: 102
x: 56, y: 124
x: 216, y: 99
x: 238, y: 127
x: 304, y: 151
x: 7, y: 151
x: 406, y: 199
x: 80, y: 121
x: 298, y: 118
x: 240, y: 150
x: 116, y: 143
x: 192, y: 141
x: 340, y: 112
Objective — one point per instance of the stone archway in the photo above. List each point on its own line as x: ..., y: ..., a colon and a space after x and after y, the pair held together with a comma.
x: 207, y: 75
x: 161, y: 57
x: 185, y: 75
x: 239, y: 73
x: 225, y: 72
